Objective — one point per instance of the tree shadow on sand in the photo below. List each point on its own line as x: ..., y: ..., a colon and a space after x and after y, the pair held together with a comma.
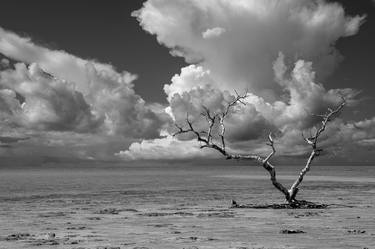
x: 302, y: 204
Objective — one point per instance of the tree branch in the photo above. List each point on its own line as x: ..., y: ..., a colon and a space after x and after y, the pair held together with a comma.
x: 209, y: 143
x: 312, y: 141
x: 270, y: 143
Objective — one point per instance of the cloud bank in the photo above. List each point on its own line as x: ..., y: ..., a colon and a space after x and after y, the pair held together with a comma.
x: 61, y: 92
x: 279, y: 50
x: 46, y: 92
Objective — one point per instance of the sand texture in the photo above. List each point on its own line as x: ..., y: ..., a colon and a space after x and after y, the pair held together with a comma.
x: 180, y: 208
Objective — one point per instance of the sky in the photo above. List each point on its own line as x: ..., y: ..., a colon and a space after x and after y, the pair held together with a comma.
x: 107, y: 81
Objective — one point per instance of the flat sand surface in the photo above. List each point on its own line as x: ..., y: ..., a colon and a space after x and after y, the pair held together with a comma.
x: 182, y: 207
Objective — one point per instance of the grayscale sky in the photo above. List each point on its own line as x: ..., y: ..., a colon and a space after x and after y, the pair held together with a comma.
x: 94, y: 80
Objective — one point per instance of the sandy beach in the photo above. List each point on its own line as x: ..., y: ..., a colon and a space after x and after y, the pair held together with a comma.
x: 183, y: 207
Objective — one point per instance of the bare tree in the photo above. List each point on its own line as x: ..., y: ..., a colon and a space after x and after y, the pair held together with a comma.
x: 207, y: 140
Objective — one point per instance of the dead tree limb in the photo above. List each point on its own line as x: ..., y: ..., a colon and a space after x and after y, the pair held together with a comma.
x: 313, y: 141
x: 207, y: 141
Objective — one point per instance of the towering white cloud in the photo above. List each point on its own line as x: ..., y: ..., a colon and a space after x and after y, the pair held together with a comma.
x: 248, y: 35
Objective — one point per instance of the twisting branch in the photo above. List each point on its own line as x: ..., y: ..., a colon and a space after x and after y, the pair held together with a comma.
x: 211, y: 122
x: 270, y: 143
x: 312, y: 141
x: 211, y: 119
x: 207, y: 141
x: 239, y: 98
x: 271, y: 169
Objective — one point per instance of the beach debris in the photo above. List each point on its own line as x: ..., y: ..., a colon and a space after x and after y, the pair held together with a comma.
x: 45, y: 243
x: 52, y: 214
x: 188, y: 239
x: 51, y: 235
x: 161, y: 225
x: 356, y: 231
x: 195, y: 239
x: 109, y: 211
x: 305, y: 214
x: 217, y: 215
x: 76, y: 228
x: 156, y: 214
x: 18, y: 236
x: 108, y: 247
x: 234, y: 204
x: 291, y: 231
x: 301, y: 205
x: 131, y: 210
x: 94, y: 218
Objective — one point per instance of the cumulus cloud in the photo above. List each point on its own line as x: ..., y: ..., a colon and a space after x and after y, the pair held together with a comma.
x: 255, y: 32
x: 160, y: 148
x: 303, y: 96
x: 47, y: 103
x: 267, y: 47
x: 62, y: 92
x: 247, y: 125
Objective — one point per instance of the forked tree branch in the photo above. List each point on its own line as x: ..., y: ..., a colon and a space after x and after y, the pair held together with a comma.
x: 207, y: 138
x: 207, y: 141
x: 312, y: 141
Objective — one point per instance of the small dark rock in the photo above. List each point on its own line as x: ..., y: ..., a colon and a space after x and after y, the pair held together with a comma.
x: 109, y: 211
x: 183, y: 213
x: 108, y: 247
x: 234, y: 204
x: 131, y: 210
x: 76, y: 228
x: 17, y: 236
x: 45, y: 242
x: 94, y: 218
x: 291, y: 231
x: 217, y: 215
x: 356, y: 231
